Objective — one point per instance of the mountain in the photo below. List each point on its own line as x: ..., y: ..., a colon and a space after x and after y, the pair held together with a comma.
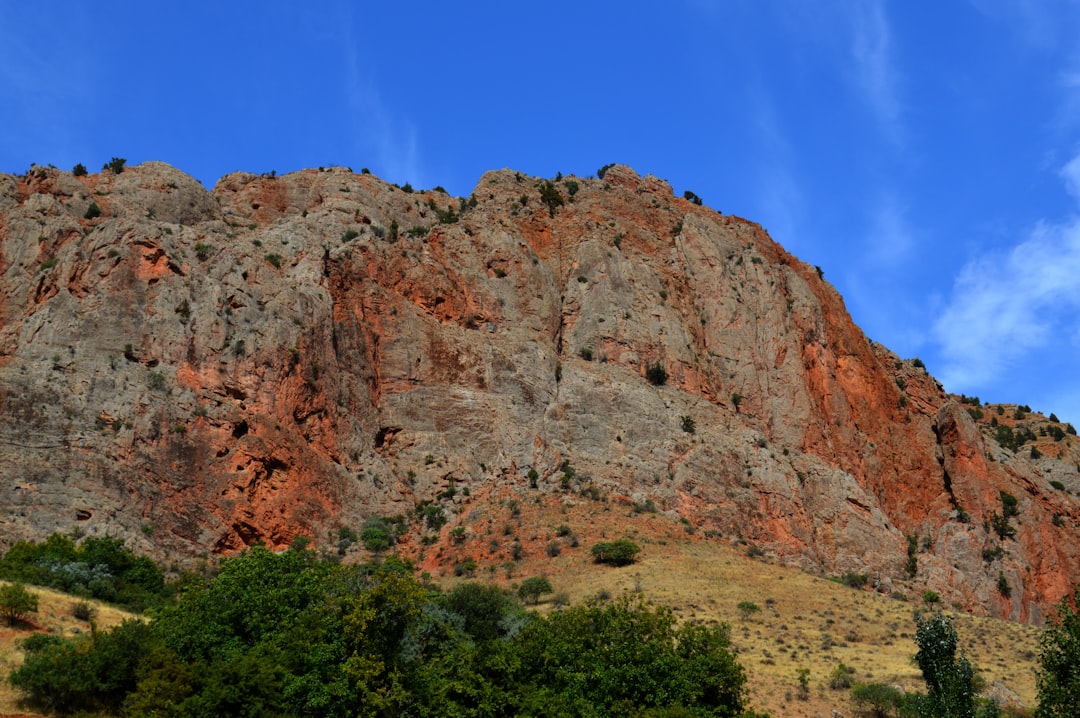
x: 288, y: 356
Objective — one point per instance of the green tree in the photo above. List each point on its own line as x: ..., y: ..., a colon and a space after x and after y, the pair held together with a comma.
x: 621, y: 552
x: 949, y: 678
x: 623, y: 657
x: 1059, y: 662
x: 16, y: 603
x: 532, y: 588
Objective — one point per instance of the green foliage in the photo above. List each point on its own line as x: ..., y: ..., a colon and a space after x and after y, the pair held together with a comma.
x: 747, y: 609
x: 855, y: 580
x: 394, y: 231
x: 16, y: 603
x: 1058, y: 681
x: 100, y: 567
x: 692, y: 197
x: 603, y: 170
x: 289, y: 634
x: 688, y: 424
x: 79, y: 170
x: 115, y: 165
x: 92, y: 672
x: 585, y: 353
x: 274, y: 259
x: 550, y: 196
x: 949, y: 678
x: 349, y: 235
x: 93, y: 211
x: 602, y: 659
x: 931, y: 598
x: 379, y: 534
x: 1003, y: 586
x: 912, y: 565
x: 202, y: 251
x: 840, y: 678
x: 532, y: 588
x: 620, y: 552
x: 877, y: 700
x: 656, y: 374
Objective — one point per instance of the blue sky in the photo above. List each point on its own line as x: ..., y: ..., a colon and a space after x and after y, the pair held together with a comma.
x: 925, y: 154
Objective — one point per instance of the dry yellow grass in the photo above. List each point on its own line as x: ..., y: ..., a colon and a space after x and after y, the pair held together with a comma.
x: 54, y: 616
x: 806, y: 621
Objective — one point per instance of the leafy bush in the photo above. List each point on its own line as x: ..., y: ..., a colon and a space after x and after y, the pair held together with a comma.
x: 531, y: 589
x: 115, y: 165
x: 688, y: 424
x: 656, y: 374
x: 274, y: 259
x: 621, y: 552
x: 949, y: 678
x: 747, y: 609
x: 79, y: 170
x: 99, y: 567
x: 854, y: 580
x: 1058, y: 681
x: 16, y: 603
x: 93, y: 211
x: 878, y: 700
x: 550, y: 196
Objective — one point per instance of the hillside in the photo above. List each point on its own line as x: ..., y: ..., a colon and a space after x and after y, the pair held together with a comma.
x: 288, y: 356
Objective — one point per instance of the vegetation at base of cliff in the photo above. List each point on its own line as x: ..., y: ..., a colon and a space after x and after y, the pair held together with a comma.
x: 292, y: 634
x: 96, y: 567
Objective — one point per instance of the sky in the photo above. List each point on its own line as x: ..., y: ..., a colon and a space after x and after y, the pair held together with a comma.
x: 924, y: 154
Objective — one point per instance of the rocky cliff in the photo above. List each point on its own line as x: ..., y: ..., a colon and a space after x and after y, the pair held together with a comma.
x: 286, y: 356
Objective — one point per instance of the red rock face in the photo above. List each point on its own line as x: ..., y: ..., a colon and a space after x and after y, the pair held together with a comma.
x: 288, y: 355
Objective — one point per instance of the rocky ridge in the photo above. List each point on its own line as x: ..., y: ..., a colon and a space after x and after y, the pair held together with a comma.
x: 289, y: 355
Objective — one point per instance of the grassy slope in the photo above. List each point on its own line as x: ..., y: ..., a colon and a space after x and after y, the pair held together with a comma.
x: 805, y: 622
x: 54, y: 616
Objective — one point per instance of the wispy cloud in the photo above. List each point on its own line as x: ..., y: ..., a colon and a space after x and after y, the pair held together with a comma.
x: 875, y: 71
x: 377, y: 128
x: 1006, y: 305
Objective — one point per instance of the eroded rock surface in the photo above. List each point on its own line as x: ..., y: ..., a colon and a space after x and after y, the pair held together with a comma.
x: 288, y: 355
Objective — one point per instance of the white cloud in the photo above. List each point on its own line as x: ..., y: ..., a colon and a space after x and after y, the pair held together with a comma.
x: 876, y: 74
x: 1006, y: 306
x: 377, y: 129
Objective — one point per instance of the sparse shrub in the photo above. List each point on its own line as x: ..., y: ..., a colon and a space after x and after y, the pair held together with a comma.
x: 202, y: 251
x: 93, y: 211
x: 840, y: 678
x: 550, y: 196
x: 115, y: 165
x: 274, y: 259
x: 747, y: 609
x: 803, y: 675
x: 688, y: 424
x: 83, y: 610
x: 350, y: 234
x: 656, y: 374
x: 1057, y: 484
x: 854, y: 580
x: 585, y: 353
x: 603, y: 170
x: 79, y: 170
x: 692, y: 197
x: 1003, y: 586
x: 554, y: 548
x: 1035, y: 453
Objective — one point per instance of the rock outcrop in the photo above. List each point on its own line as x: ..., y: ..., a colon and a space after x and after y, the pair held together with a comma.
x: 286, y: 356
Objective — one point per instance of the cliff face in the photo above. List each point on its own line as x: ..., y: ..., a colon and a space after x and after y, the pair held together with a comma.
x: 200, y: 370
